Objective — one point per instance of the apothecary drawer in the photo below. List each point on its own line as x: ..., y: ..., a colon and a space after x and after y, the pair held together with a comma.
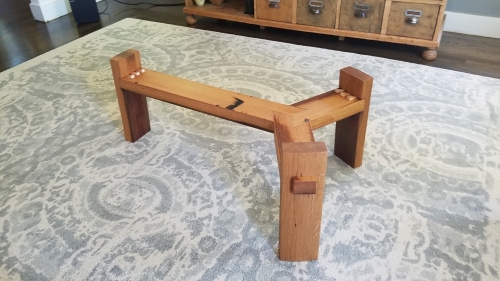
x: 413, y: 20
x: 317, y: 12
x: 364, y: 15
x: 275, y: 10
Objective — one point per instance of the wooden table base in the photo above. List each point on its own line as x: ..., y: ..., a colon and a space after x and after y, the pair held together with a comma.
x: 301, y: 160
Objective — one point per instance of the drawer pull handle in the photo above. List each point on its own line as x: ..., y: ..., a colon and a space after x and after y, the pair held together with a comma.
x: 412, y: 16
x: 315, y: 6
x: 274, y: 4
x: 361, y: 10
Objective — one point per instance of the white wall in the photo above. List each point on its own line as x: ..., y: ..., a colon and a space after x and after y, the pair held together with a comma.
x: 472, y: 24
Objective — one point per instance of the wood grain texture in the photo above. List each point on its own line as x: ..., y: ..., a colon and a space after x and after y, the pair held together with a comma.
x: 240, y: 108
x: 133, y: 107
x: 350, y: 132
x: 372, y: 23
x: 304, y: 185
x: 300, y: 214
x: 325, y: 109
x: 423, y: 30
x: 325, y: 19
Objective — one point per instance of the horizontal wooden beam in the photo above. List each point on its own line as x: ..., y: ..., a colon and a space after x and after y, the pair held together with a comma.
x: 326, y: 108
x: 211, y: 100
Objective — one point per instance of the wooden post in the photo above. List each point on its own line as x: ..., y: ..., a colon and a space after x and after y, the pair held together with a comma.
x: 133, y: 106
x: 302, y: 166
x: 350, y: 132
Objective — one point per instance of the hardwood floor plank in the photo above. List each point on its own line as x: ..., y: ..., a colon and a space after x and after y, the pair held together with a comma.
x: 23, y: 38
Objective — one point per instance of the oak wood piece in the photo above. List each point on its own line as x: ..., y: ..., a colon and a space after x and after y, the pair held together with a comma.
x: 325, y: 18
x: 301, y: 160
x: 372, y: 22
x: 240, y: 108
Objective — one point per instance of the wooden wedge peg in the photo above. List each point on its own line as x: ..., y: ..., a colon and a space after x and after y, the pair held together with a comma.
x: 304, y: 185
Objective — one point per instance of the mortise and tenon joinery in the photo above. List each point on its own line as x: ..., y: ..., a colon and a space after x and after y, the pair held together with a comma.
x: 301, y: 160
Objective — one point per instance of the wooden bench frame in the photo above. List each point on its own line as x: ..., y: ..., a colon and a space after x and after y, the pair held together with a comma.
x: 301, y: 160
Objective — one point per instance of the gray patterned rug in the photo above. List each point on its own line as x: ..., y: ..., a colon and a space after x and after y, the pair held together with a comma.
x: 197, y: 198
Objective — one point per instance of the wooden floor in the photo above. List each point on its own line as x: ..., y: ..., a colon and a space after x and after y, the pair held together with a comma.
x: 22, y: 38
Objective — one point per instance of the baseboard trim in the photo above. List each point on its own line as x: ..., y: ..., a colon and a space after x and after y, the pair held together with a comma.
x: 472, y: 24
x: 48, y: 11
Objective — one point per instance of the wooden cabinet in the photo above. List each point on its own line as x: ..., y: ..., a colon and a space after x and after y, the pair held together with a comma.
x: 411, y: 22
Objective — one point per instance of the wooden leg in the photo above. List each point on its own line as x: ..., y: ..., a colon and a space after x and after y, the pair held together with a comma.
x: 300, y: 212
x: 302, y: 165
x: 191, y: 19
x: 429, y: 54
x: 133, y: 107
x: 350, y: 132
x: 136, y: 110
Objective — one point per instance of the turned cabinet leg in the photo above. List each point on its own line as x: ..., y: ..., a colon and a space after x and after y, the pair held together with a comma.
x: 430, y: 54
x: 191, y: 19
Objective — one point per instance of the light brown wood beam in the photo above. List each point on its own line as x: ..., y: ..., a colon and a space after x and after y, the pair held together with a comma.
x: 302, y: 164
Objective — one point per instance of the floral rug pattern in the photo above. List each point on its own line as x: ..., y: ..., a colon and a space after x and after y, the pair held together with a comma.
x: 197, y: 198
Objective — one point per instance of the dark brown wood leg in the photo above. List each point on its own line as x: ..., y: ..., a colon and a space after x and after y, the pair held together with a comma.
x: 136, y: 110
x: 350, y: 132
x: 133, y: 107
